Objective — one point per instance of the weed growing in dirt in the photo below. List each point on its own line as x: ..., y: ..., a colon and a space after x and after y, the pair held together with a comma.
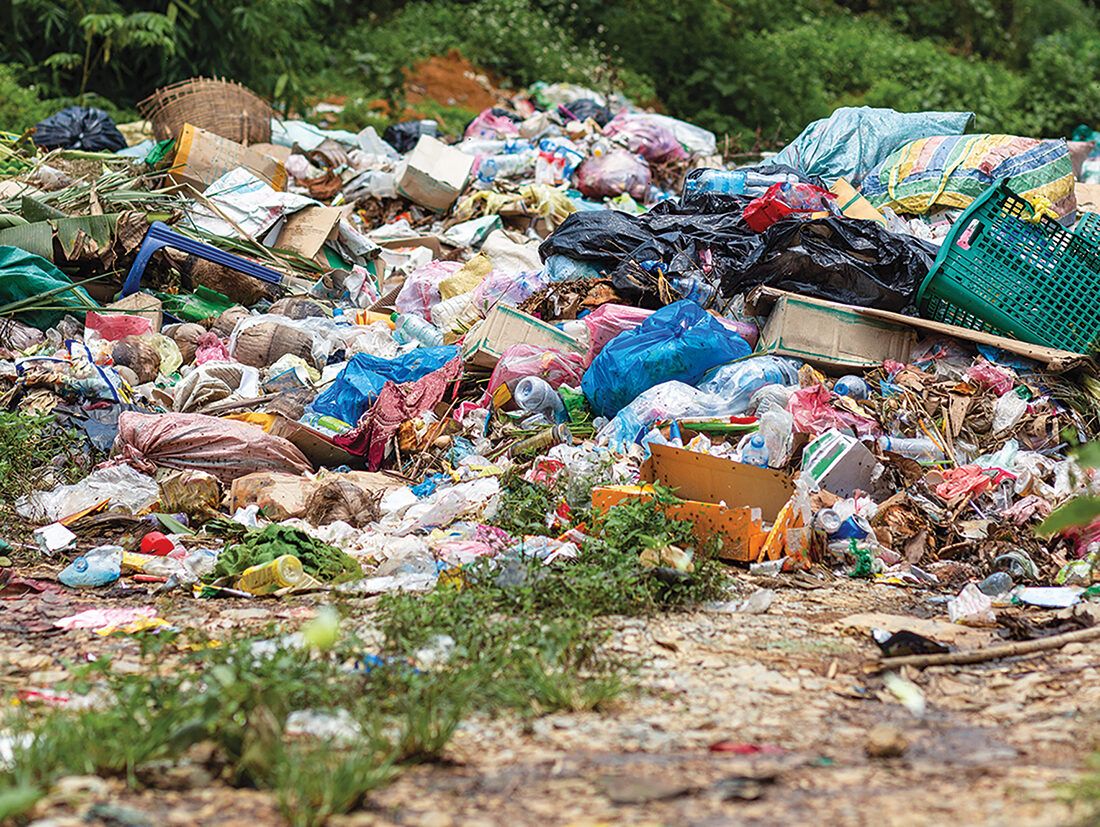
x: 31, y: 444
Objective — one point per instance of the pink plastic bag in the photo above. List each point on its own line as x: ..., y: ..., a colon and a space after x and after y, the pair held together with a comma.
x: 966, y: 479
x: 783, y: 200
x: 555, y: 367
x: 608, y: 321
x: 987, y: 375
x: 209, y: 348
x: 420, y: 292
x: 647, y: 137
x: 489, y: 126
x: 225, y: 448
x: 116, y: 326
x: 612, y: 174
x: 813, y: 414
x: 506, y: 288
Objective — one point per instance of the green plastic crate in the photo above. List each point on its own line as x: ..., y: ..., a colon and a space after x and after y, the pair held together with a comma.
x: 1036, y: 282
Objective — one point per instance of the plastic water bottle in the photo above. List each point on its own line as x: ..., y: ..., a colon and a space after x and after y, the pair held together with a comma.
x: 325, y: 423
x: 100, y: 566
x: 756, y: 452
x: 416, y: 329
x: 723, y: 181
x: 448, y: 312
x: 919, y: 448
x: 535, y: 394
x: 738, y: 381
x: 695, y: 289
x: 487, y: 172
x: 851, y: 386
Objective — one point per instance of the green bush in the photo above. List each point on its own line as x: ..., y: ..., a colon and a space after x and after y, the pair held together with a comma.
x: 20, y: 106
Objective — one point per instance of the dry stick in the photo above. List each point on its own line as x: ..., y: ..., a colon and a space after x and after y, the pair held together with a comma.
x: 1006, y: 650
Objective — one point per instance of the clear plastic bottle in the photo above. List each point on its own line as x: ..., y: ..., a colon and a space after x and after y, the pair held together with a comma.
x: 100, y: 566
x: 851, y: 386
x: 736, y: 382
x: 450, y: 311
x: 696, y: 289
x: 918, y: 448
x: 535, y: 394
x: 415, y: 329
x: 755, y: 452
x: 777, y: 428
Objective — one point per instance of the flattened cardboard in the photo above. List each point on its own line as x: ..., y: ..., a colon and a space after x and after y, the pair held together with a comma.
x: 141, y: 304
x: 762, y: 299
x: 202, y: 157
x: 435, y: 174
x: 306, y: 230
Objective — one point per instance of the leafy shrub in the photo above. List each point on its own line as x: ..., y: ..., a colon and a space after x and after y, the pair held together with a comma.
x: 19, y: 104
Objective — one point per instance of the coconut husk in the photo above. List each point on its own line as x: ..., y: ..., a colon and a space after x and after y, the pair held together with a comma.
x: 297, y: 307
x: 232, y: 284
x: 138, y: 355
x: 340, y: 499
x: 262, y: 344
x: 228, y: 320
x: 186, y: 336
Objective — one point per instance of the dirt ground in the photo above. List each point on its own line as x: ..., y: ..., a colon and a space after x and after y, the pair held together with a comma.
x: 754, y: 719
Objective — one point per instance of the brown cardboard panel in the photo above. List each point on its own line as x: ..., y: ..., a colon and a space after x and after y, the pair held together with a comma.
x: 708, y: 479
x: 505, y: 326
x: 306, y: 230
x: 435, y: 174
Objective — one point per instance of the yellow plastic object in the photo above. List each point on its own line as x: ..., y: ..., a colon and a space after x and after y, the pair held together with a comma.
x: 281, y: 573
x: 471, y: 274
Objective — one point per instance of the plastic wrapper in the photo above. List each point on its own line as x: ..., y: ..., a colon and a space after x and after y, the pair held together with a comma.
x: 606, y: 322
x: 361, y: 380
x: 491, y: 123
x: 680, y: 341
x: 420, y: 292
x: 813, y: 414
x: 668, y: 400
x: 988, y: 375
x: 646, y: 136
x: 784, y: 200
x: 221, y: 447
x: 125, y: 487
x: 79, y: 127
x: 1007, y: 412
x: 555, y: 367
x: 612, y: 174
x: 853, y: 139
x: 467, y: 500
x: 503, y: 288
x: 964, y: 480
x: 971, y: 608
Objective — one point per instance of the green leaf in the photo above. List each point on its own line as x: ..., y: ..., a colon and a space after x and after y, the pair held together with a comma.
x: 17, y: 800
x: 1078, y: 512
x: 1088, y: 455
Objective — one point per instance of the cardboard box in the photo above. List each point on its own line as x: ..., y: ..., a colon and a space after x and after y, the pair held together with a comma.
x: 505, y: 326
x: 832, y: 335
x: 317, y: 447
x: 840, y: 464
x: 202, y: 157
x: 762, y: 300
x: 724, y: 498
x: 435, y: 174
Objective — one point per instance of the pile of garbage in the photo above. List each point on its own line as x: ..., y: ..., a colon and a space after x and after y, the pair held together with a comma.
x: 318, y: 360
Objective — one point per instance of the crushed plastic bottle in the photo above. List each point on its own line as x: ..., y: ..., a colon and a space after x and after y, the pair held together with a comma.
x: 736, y: 382
x: 755, y: 452
x: 100, y: 566
x: 851, y: 386
x: 532, y: 393
x: 918, y: 448
x: 411, y: 328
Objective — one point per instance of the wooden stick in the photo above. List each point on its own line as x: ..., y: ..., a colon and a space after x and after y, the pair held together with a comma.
x: 1006, y: 650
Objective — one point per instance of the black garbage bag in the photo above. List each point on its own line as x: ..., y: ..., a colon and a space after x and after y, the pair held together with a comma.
x: 845, y: 260
x: 79, y: 127
x: 840, y: 259
x: 403, y: 136
x: 585, y: 108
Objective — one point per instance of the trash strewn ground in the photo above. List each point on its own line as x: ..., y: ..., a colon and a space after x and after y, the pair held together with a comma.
x: 556, y: 469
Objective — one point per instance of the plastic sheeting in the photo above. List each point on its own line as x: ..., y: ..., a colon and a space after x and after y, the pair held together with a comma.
x: 24, y: 275
x: 360, y: 382
x: 678, y: 342
x: 854, y: 139
x: 193, y: 442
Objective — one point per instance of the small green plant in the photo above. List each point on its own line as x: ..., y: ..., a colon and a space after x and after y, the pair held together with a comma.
x: 34, y: 449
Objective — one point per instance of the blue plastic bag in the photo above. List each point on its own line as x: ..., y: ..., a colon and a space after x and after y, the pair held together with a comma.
x: 679, y: 342
x: 361, y: 380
